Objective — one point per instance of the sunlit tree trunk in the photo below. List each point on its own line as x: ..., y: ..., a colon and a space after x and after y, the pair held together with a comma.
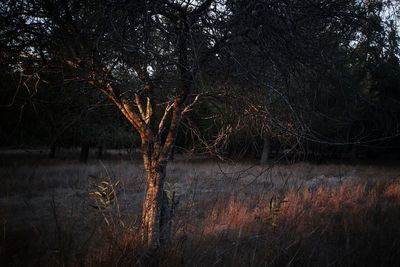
x: 156, y: 208
x: 156, y: 150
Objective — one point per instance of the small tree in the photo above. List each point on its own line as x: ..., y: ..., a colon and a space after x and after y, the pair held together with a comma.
x: 145, y: 56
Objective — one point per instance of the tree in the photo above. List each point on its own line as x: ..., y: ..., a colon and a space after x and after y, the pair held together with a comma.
x: 145, y: 56
x: 312, y: 79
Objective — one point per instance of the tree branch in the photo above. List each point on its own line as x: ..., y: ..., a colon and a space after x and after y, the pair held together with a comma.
x: 124, y: 106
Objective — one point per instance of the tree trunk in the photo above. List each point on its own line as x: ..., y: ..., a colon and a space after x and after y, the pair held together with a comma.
x: 99, y: 152
x: 84, y: 153
x: 52, y: 153
x: 156, y: 214
x: 266, y: 151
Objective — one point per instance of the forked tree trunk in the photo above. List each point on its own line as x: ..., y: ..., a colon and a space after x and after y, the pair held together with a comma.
x: 266, y: 151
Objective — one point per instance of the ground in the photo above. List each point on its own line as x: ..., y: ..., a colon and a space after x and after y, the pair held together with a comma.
x: 229, y: 213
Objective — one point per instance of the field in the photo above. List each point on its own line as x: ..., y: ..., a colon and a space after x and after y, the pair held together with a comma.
x: 229, y: 214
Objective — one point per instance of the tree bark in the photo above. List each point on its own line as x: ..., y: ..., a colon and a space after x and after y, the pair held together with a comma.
x: 156, y: 215
x: 266, y: 151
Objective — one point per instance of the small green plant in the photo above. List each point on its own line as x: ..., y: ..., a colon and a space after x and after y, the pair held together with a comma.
x: 105, y: 193
x: 275, y: 205
x: 170, y: 189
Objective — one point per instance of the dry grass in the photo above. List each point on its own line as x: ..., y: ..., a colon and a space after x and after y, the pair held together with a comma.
x: 392, y: 191
x: 229, y: 215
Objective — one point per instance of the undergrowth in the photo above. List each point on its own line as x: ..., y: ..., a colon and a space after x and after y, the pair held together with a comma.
x: 312, y: 221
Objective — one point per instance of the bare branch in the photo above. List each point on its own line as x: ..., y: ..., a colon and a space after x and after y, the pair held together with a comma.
x: 124, y: 106
x: 189, y: 107
x: 164, y: 117
x: 140, y: 107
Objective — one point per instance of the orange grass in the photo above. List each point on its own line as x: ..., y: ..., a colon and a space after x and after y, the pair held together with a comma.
x: 297, y: 215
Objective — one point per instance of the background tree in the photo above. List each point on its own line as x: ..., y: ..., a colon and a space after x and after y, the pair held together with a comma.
x: 312, y: 78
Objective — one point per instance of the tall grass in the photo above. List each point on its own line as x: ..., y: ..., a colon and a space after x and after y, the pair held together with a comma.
x: 228, y: 215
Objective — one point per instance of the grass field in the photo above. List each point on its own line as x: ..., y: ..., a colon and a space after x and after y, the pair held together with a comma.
x: 229, y: 214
